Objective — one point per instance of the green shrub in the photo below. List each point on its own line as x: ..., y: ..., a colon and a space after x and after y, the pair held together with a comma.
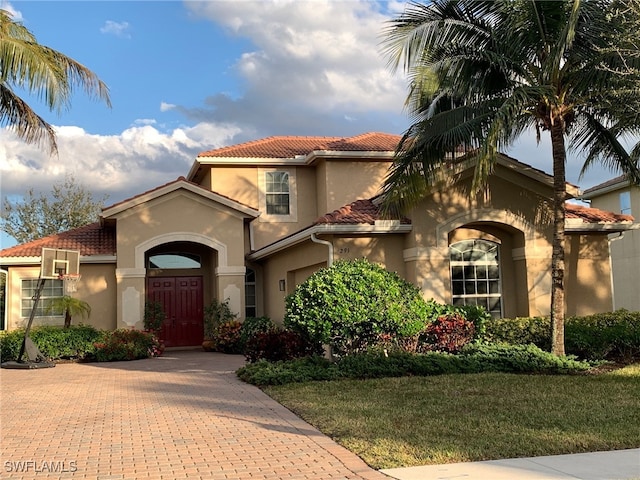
x: 154, y: 316
x: 10, y: 343
x: 55, y: 343
x: 300, y: 370
x: 215, y: 314
x: 603, y: 336
x: 252, y: 326
x: 125, y: 344
x: 519, y: 359
x: 611, y: 336
x: 277, y: 345
x: 227, y: 337
x: 473, y: 359
x: 348, y: 306
x: 519, y: 331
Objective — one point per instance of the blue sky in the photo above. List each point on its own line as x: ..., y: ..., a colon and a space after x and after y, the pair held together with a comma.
x: 185, y: 77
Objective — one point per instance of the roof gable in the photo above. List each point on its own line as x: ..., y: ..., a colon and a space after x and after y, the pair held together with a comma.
x: 178, y: 184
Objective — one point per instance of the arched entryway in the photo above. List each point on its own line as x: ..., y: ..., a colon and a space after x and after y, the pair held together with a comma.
x: 180, y: 278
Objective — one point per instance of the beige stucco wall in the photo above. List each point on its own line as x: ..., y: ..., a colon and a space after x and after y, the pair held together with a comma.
x: 346, y: 180
x: 298, y: 263
x: 625, y: 260
x: 611, y: 201
x: 179, y: 216
x: 96, y: 287
x: 625, y: 251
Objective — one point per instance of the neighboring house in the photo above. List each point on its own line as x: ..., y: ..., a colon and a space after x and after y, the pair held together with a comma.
x: 252, y: 221
x: 618, y: 195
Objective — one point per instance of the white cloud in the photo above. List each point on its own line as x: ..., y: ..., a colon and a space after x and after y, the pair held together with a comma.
x: 165, y: 107
x: 119, y: 29
x: 313, y: 64
x: 138, y: 159
x: 16, y: 14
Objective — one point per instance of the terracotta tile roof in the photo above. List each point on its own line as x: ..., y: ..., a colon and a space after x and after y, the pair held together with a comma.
x: 595, y: 215
x: 92, y: 239
x: 290, y: 147
x: 358, y: 212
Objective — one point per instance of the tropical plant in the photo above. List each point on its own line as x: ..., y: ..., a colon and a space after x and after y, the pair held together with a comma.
x: 482, y: 72
x: 70, y: 307
x: 26, y: 65
x: 215, y: 314
x: 154, y: 316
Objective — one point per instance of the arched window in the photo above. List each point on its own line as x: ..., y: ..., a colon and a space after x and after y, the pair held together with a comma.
x: 475, y: 275
x: 171, y: 261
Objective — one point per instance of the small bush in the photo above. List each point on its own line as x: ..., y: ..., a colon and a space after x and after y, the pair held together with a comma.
x: 472, y: 359
x: 10, y: 343
x: 603, y: 336
x: 227, y: 337
x: 448, y: 333
x: 300, y: 370
x: 252, y: 326
x: 519, y: 331
x: 276, y: 346
x: 125, y: 344
x: 215, y: 314
x: 348, y: 306
x: 154, y: 316
x: 55, y: 343
x: 610, y: 336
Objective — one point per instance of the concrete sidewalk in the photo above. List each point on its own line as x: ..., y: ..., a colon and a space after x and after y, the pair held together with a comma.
x: 616, y: 465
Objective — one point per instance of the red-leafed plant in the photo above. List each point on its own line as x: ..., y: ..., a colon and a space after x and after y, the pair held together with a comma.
x: 448, y: 333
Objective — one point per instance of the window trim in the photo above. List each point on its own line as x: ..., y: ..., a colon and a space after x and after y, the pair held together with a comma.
x: 470, y: 263
x: 625, y: 202
x: 40, y: 313
x: 293, y: 195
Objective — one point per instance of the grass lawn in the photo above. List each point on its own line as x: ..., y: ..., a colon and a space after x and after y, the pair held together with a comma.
x: 401, y: 422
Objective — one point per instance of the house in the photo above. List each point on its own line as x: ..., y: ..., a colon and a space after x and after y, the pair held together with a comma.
x: 249, y: 222
x: 619, y: 195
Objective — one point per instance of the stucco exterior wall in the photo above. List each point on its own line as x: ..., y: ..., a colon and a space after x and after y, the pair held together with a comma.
x: 625, y: 261
x: 587, y: 275
x: 179, y: 216
x: 96, y: 287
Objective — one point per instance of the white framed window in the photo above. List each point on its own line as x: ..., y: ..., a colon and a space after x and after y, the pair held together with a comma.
x: 277, y: 193
x: 475, y: 275
x: 277, y: 188
x: 625, y: 203
x: 52, y: 289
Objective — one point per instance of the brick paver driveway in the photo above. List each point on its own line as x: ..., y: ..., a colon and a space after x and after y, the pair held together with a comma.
x: 183, y: 415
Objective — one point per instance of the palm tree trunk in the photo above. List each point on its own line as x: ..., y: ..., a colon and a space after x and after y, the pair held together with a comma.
x: 67, y: 318
x: 557, y: 257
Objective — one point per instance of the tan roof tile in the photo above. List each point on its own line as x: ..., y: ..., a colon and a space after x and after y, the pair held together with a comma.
x: 290, y: 146
x: 595, y: 215
x: 92, y: 239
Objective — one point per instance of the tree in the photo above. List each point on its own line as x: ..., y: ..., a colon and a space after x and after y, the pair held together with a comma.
x: 69, y: 205
x: 71, y: 307
x: 483, y: 72
x: 41, y: 71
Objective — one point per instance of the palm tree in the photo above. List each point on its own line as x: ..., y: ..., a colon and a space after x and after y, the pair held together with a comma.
x: 482, y: 72
x: 71, y: 307
x: 42, y: 71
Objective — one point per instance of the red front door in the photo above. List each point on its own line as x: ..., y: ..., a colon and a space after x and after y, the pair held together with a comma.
x: 181, y: 299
